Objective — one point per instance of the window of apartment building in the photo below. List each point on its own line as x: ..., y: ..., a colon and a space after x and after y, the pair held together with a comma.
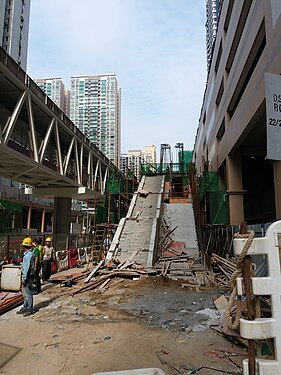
x: 204, y: 144
x: 228, y: 14
x: 204, y: 118
x: 237, y: 36
x: 218, y: 57
x: 249, y: 67
x: 221, y: 131
x: 220, y: 93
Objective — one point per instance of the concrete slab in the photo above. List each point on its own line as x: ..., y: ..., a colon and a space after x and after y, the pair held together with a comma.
x: 182, y: 215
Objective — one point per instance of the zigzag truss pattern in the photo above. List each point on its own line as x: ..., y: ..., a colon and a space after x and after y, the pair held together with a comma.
x: 41, y: 147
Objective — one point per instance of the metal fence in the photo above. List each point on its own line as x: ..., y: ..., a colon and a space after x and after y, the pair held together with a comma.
x: 10, y: 245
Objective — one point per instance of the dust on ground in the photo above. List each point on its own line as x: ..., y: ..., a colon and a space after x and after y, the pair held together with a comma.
x: 133, y: 324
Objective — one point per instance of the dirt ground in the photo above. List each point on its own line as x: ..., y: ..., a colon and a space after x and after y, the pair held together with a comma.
x: 143, y: 323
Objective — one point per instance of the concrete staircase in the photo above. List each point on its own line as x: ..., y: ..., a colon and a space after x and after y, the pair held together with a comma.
x: 138, y: 232
x: 182, y: 216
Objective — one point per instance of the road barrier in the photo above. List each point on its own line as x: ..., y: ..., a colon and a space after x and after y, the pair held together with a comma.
x: 72, y: 258
x: 82, y: 255
x: 89, y: 254
x: 62, y: 260
x: 264, y: 328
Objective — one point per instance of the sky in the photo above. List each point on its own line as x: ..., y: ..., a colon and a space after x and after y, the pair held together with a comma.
x: 156, y: 48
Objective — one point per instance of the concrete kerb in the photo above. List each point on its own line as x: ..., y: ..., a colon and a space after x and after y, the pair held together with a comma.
x: 155, y: 228
x: 152, y: 243
x: 141, y: 184
x: 115, y: 242
x: 135, y: 197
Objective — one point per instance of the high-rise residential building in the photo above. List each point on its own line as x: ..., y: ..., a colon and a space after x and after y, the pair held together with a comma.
x: 213, y: 8
x: 149, y: 154
x: 55, y: 89
x: 134, y: 162
x: 2, y: 15
x: 14, y: 26
x: 131, y: 162
x: 66, y: 108
x: 95, y: 107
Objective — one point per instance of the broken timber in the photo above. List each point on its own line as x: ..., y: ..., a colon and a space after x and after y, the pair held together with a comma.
x: 98, y: 266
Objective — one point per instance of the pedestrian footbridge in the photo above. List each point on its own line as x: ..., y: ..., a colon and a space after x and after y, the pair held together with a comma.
x: 40, y: 146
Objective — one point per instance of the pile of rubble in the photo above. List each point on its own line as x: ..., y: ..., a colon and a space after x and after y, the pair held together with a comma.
x: 101, y: 276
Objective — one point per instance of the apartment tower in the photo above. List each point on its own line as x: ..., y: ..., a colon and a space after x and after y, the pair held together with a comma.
x: 149, y: 154
x: 95, y: 107
x: 14, y: 27
x: 55, y: 89
x: 213, y: 8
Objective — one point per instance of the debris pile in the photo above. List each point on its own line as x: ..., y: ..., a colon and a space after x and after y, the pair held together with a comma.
x: 223, y: 269
x: 102, y: 274
x: 220, y: 325
x: 9, y: 300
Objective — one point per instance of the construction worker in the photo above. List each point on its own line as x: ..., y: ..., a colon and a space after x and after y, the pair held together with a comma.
x: 48, y: 257
x: 37, y: 262
x: 27, y: 276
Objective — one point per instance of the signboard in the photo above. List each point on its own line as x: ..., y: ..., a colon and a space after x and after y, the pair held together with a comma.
x: 273, y: 115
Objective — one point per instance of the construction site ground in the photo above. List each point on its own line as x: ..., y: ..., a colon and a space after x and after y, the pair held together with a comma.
x: 144, y: 323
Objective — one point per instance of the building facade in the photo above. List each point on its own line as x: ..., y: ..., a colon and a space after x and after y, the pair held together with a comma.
x: 131, y: 162
x: 95, y: 107
x: 213, y: 8
x: 149, y: 154
x: 55, y: 89
x: 14, y: 27
x: 232, y: 136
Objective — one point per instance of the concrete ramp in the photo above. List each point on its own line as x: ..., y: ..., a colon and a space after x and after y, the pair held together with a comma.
x: 137, y: 234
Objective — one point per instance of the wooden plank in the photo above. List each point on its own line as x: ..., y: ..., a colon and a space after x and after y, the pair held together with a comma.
x: 98, y: 266
x: 128, y: 261
x: 104, y: 284
x: 221, y: 304
x: 167, y: 268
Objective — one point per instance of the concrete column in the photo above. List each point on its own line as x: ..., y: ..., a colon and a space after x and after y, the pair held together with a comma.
x: 29, y: 217
x: 43, y: 220
x: 234, y: 190
x: 62, y: 215
x: 277, y: 188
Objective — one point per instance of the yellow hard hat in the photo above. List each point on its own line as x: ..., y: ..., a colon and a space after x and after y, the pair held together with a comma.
x: 27, y: 242
x: 48, y: 239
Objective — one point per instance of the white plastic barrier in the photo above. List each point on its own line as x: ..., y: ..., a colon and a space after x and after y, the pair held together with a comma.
x: 82, y: 255
x: 89, y: 254
x: 62, y: 260
x: 264, y: 328
x: 148, y: 371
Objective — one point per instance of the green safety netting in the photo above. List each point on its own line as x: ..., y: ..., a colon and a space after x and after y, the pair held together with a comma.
x: 10, y: 216
x: 10, y: 206
x: 187, y: 159
x: 215, y: 195
x: 101, y: 214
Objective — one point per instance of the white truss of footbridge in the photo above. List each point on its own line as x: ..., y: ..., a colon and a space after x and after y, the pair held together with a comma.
x: 40, y: 146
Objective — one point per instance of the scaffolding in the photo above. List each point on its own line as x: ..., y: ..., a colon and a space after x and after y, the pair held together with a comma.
x: 213, y: 199
x: 10, y: 216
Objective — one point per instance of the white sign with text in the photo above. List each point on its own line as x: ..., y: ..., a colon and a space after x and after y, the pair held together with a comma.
x: 273, y: 115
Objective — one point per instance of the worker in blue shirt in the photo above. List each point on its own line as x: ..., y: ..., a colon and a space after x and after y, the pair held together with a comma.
x: 27, y: 276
